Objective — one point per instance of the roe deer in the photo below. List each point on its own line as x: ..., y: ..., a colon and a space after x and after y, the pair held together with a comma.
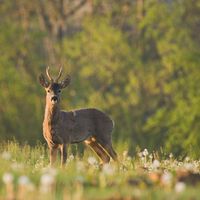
x: 61, y: 128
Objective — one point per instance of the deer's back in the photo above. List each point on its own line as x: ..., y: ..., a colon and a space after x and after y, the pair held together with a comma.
x: 82, y: 123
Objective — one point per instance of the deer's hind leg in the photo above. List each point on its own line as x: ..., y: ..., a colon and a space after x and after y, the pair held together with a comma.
x: 107, y: 146
x: 94, y: 145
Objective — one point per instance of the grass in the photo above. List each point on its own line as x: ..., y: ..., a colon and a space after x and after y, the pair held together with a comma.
x: 25, y: 174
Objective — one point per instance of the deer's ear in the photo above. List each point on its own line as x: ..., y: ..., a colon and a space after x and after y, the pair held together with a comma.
x: 65, y: 82
x: 43, y: 81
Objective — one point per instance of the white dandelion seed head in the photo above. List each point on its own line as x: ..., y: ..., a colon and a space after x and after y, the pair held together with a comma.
x: 180, y: 187
x: 151, y: 156
x: 23, y: 180
x: 125, y: 153
x: 71, y: 157
x: 145, y: 152
x: 92, y: 160
x: 171, y: 155
x: 166, y: 178
x: 156, y: 164
x: 140, y: 154
x: 108, y: 169
x: 189, y: 166
x: 7, y: 178
x: 47, y: 179
x: 187, y: 159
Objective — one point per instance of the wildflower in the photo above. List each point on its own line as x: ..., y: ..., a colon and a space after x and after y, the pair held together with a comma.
x: 151, y: 156
x: 155, y: 164
x: 189, y: 166
x: 125, y: 153
x: 108, y: 169
x: 145, y: 152
x: 46, y: 182
x: 47, y: 179
x: 71, y: 157
x: 92, y: 160
x: 170, y: 155
x: 187, y: 159
x: 140, y: 154
x: 7, y: 178
x: 6, y: 155
x: 23, y: 180
x: 166, y: 178
x: 180, y: 187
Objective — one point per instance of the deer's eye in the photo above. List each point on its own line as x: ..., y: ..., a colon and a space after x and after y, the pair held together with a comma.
x: 48, y: 91
x: 59, y: 91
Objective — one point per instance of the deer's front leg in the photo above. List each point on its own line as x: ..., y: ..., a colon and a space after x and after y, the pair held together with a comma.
x: 63, y: 152
x: 53, y: 155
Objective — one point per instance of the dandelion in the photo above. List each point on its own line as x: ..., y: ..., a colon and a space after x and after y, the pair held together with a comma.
x: 92, y: 160
x: 47, y: 179
x: 46, y: 182
x: 151, y: 156
x: 71, y: 157
x: 108, y: 169
x: 23, y: 180
x: 140, y: 154
x: 145, y: 152
x: 8, y: 181
x: 171, y: 156
x: 7, y: 178
x: 166, y: 178
x: 125, y: 154
x: 187, y: 159
x: 155, y: 164
x: 6, y: 155
x: 189, y: 166
x: 180, y: 187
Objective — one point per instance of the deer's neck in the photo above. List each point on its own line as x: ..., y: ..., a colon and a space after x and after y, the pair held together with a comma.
x: 52, y: 114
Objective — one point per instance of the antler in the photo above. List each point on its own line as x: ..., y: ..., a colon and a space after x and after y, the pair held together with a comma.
x: 59, y: 75
x: 48, y: 75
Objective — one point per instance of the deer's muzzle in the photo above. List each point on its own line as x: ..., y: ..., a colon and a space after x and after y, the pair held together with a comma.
x: 54, y: 99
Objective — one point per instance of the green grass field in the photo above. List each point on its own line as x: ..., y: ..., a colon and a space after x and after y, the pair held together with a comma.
x: 25, y: 174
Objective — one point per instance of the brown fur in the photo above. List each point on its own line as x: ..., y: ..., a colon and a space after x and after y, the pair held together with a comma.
x: 61, y: 128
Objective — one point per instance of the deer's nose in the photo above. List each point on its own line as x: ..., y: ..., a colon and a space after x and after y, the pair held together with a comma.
x: 54, y: 99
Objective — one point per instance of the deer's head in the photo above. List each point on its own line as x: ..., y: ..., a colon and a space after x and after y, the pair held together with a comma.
x: 52, y: 86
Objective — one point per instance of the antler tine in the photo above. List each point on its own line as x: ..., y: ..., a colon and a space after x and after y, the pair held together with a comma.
x: 59, y: 75
x: 48, y: 75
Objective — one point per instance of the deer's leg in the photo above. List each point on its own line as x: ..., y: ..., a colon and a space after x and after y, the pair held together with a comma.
x: 108, y: 147
x: 53, y: 155
x: 63, y: 152
x: 98, y: 150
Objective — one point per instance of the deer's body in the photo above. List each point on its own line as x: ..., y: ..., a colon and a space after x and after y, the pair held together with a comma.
x: 61, y: 128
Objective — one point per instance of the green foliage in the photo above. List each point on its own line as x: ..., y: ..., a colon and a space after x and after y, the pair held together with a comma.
x: 136, y: 60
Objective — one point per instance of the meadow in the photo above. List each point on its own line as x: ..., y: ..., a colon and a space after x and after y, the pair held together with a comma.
x: 25, y: 174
